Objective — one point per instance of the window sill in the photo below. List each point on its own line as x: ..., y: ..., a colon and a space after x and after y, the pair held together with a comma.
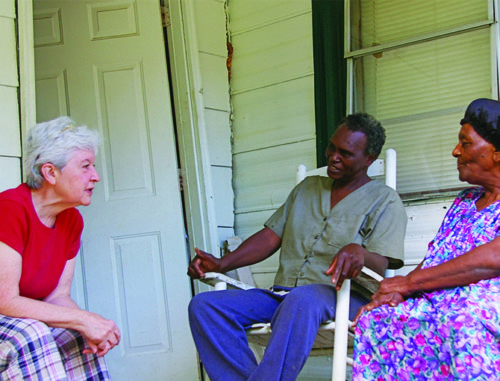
x: 430, y: 196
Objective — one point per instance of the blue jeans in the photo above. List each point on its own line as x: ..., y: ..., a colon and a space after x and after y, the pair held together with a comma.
x: 218, y: 321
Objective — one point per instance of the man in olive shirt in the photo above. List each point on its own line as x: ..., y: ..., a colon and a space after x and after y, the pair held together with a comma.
x: 328, y: 229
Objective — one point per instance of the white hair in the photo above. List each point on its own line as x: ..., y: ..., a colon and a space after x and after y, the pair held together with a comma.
x: 54, y: 142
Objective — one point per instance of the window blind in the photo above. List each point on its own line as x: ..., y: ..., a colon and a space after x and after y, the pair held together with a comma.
x: 378, y: 22
x: 420, y: 90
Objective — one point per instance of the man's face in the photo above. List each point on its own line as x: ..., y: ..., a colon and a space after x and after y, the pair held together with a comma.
x: 345, y: 154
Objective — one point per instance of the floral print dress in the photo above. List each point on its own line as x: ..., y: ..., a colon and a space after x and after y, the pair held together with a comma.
x: 449, y: 334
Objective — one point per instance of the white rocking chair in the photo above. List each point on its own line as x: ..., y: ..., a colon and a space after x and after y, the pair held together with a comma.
x: 331, y: 333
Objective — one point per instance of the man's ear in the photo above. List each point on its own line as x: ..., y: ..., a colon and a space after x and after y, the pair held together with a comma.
x: 370, y: 160
x: 49, y: 172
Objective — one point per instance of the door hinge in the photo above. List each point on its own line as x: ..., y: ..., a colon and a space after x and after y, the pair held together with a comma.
x: 165, y: 16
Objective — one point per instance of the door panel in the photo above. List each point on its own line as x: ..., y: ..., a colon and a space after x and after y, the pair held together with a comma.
x: 103, y: 62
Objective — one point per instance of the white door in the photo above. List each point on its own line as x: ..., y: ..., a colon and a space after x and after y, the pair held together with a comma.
x: 104, y: 64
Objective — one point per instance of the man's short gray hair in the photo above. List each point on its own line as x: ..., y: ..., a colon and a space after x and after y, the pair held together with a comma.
x: 55, y: 142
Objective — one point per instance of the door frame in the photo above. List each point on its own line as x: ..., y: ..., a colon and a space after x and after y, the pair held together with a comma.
x: 26, y: 66
x: 188, y: 104
x: 192, y: 134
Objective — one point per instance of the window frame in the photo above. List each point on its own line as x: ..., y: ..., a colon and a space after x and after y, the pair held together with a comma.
x: 351, y: 55
x: 329, y: 71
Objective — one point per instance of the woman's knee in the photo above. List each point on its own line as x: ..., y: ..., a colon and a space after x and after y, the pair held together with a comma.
x: 26, y: 334
x: 68, y: 340
x: 34, y: 329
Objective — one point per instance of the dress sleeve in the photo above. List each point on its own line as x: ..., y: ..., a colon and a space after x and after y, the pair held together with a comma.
x: 75, y: 233
x: 13, y: 225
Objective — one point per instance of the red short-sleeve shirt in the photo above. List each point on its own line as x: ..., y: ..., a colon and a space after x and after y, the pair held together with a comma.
x: 44, y: 250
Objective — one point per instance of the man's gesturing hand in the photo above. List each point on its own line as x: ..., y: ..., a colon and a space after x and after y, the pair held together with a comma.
x: 202, y: 263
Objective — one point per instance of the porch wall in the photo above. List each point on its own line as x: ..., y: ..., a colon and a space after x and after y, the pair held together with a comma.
x: 10, y: 132
x: 272, y: 95
x: 210, y: 21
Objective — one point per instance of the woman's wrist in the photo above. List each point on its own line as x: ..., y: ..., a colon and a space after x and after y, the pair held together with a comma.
x: 411, y: 285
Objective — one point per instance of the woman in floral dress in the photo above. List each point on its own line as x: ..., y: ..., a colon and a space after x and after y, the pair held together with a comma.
x: 442, y: 320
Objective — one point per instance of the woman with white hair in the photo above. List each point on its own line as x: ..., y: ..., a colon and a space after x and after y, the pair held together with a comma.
x: 44, y: 335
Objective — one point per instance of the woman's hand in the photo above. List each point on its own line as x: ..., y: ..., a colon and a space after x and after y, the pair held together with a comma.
x: 392, y: 291
x: 392, y: 299
x: 398, y: 283
x: 203, y: 263
x: 101, y: 335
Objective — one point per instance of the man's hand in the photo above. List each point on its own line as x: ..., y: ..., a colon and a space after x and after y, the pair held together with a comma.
x: 202, y: 263
x: 347, y: 264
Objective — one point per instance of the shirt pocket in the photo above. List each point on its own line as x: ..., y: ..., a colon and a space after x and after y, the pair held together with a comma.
x: 343, y: 230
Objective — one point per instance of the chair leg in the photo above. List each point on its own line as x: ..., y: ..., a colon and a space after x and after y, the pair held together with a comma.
x: 341, y: 332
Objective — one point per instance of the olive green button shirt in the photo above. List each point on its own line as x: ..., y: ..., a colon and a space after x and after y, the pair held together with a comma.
x: 312, y: 232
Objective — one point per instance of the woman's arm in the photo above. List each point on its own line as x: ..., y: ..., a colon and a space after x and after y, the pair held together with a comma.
x: 61, y: 296
x: 482, y: 262
x: 57, y: 310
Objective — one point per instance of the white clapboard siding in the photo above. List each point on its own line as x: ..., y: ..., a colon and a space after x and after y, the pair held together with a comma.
x: 210, y: 22
x: 10, y: 133
x: 424, y: 219
x: 272, y: 94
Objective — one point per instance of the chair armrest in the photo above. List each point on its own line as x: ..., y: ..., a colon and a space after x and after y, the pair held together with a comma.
x: 372, y: 274
x: 219, y: 281
x: 369, y: 279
